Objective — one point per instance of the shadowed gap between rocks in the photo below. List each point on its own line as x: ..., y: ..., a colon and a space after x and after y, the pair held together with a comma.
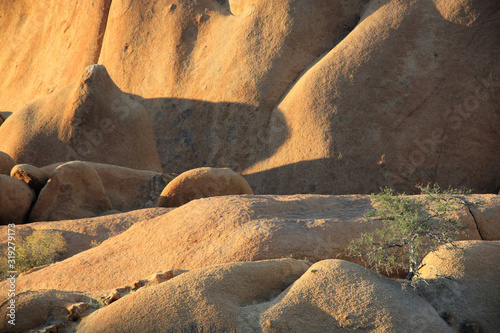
x: 193, y: 133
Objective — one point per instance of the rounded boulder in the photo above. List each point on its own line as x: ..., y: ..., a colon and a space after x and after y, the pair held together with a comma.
x: 15, y: 200
x: 203, y: 183
x: 6, y: 162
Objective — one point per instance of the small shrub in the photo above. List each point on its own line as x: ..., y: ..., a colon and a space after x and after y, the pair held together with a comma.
x: 412, y: 228
x: 40, y: 248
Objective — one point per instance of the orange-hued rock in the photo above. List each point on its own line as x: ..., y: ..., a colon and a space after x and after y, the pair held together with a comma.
x: 73, y: 191
x: 218, y: 230
x: 35, y: 177
x: 83, y: 234
x: 271, y: 296
x: 411, y: 95
x: 468, y: 292
x: 6, y: 163
x: 39, y: 308
x: 16, y: 199
x: 486, y: 212
x: 46, y: 45
x: 91, y: 120
x: 210, y: 72
x: 202, y: 183
x: 127, y: 189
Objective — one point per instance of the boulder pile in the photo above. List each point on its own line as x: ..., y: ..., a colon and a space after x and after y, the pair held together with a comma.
x: 209, y: 162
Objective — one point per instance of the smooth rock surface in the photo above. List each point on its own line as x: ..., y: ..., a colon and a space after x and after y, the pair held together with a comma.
x: 470, y: 295
x: 47, y: 45
x: 16, y: 199
x: 486, y: 212
x: 202, y: 183
x: 399, y: 102
x: 91, y: 120
x: 226, y: 65
x: 218, y: 230
x: 83, y: 234
x: 271, y: 296
x: 73, y: 191
x: 36, y: 308
x: 127, y: 189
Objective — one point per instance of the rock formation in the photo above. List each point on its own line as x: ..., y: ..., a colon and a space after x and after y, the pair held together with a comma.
x: 74, y: 191
x: 91, y: 120
x: 47, y: 46
x: 35, y: 177
x: 83, y: 234
x: 400, y: 101
x: 469, y: 294
x: 202, y: 183
x: 225, y: 66
x: 220, y: 230
x: 6, y: 163
x: 127, y: 189
x: 313, y: 103
x: 16, y: 199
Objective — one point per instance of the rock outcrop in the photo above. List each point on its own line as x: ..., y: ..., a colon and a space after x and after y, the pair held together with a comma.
x: 35, y: 177
x: 91, y: 120
x: 219, y: 230
x: 16, y: 199
x: 271, y: 296
x: 486, y: 212
x: 74, y: 191
x: 46, y: 47
x: 127, y: 189
x: 202, y: 183
x: 468, y: 294
x: 6, y: 163
x: 226, y: 66
x: 83, y: 234
x: 36, y: 308
x: 400, y: 101
x: 333, y: 99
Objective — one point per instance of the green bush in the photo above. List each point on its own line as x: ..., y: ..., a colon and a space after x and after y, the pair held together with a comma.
x: 412, y: 227
x: 40, y: 248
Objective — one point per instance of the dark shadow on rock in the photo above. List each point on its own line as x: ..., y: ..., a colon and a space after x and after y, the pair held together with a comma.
x: 321, y: 176
x: 4, y: 115
x: 193, y: 133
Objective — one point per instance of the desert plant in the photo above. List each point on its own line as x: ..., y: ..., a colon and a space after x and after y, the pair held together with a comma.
x: 40, y: 248
x: 412, y: 227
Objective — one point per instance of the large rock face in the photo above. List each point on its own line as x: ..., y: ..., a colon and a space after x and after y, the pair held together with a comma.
x: 271, y: 296
x: 287, y: 92
x: 219, y: 230
x: 411, y: 95
x: 46, y: 45
x: 91, y: 120
x: 224, y: 66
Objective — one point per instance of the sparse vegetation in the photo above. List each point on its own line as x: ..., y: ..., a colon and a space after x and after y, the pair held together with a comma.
x: 412, y: 228
x: 40, y: 248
